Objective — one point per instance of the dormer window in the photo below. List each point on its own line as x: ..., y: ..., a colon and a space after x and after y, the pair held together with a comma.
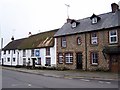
x: 94, y: 20
x: 73, y: 24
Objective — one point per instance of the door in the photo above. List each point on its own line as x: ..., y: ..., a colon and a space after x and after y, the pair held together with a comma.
x: 33, y: 62
x: 79, y: 61
x: 2, y: 61
x: 115, y: 63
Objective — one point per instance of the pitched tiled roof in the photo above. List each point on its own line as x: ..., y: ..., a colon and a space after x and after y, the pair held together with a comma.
x: 108, y: 20
x: 13, y: 44
x: 44, y: 39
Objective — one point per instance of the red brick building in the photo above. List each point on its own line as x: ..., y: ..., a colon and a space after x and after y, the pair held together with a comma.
x: 91, y: 43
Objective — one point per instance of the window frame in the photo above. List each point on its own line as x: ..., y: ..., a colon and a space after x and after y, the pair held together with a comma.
x: 79, y: 41
x: 69, y: 56
x: 14, y: 59
x: 48, y: 51
x: 32, y: 52
x: 94, y: 38
x: 63, y: 42
x: 94, y: 20
x: 94, y: 58
x: 8, y: 59
x: 48, y: 64
x: 60, y: 58
x: 24, y: 53
x: 4, y: 52
x: 74, y: 25
x: 113, y: 36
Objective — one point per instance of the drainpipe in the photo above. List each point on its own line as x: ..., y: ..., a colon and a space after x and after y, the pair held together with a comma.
x: 85, y: 52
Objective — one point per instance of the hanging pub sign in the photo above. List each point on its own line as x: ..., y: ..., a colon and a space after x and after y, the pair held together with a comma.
x: 37, y: 52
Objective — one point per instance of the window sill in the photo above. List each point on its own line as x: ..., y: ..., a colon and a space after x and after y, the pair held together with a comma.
x: 94, y: 64
x: 69, y: 63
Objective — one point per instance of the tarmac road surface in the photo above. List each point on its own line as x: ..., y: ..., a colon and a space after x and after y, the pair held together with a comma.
x: 14, y: 79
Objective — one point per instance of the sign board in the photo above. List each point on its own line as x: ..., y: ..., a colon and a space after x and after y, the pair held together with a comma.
x: 37, y: 52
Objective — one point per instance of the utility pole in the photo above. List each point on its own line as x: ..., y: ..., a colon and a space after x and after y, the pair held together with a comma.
x: 67, y: 9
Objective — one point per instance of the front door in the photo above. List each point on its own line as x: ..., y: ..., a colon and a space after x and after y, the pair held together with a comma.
x: 33, y: 62
x: 114, y: 61
x: 79, y: 61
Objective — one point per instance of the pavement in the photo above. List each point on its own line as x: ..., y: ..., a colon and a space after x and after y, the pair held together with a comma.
x: 71, y: 74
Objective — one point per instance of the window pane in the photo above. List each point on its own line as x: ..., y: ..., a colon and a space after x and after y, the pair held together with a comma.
x: 63, y: 42
x: 113, y: 39
x: 94, y: 58
x: 113, y: 33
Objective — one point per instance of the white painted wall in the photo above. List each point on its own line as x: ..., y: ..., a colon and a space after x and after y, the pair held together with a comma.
x: 19, y: 56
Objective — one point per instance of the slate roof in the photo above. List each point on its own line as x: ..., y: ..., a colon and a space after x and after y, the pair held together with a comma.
x: 40, y: 40
x: 13, y: 44
x: 108, y: 20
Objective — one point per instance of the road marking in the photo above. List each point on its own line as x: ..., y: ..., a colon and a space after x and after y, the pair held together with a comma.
x: 108, y: 82
x: 100, y: 81
x: 85, y: 80
x: 104, y: 82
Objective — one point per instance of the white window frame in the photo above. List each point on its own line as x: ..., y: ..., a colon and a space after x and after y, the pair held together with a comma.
x: 113, y: 36
x: 94, y: 39
x: 24, y: 53
x: 93, y: 57
x: 94, y: 20
x: 60, y: 58
x: 79, y: 40
x: 74, y: 24
x: 69, y: 56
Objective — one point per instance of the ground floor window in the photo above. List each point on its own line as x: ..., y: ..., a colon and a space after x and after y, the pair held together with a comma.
x: 8, y: 59
x: 24, y: 61
x: 94, y: 58
x: 48, y: 61
x: 60, y: 58
x: 13, y: 59
x: 39, y: 61
x: 69, y: 57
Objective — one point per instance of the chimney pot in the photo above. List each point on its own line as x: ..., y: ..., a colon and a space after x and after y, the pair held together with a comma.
x: 68, y: 20
x: 114, y: 7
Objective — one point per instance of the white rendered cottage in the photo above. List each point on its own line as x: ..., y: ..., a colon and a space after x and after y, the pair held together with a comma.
x: 36, y: 50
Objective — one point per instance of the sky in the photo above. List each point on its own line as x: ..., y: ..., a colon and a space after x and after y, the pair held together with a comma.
x: 19, y: 17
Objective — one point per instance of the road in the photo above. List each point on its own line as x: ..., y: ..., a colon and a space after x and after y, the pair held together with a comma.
x: 14, y: 79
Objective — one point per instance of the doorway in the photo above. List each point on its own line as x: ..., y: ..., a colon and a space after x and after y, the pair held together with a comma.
x: 79, y: 61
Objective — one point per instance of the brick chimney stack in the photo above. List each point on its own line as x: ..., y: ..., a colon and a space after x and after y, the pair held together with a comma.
x: 114, y: 7
x: 68, y: 20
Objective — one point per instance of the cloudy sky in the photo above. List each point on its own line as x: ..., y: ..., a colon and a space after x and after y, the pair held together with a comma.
x: 19, y: 17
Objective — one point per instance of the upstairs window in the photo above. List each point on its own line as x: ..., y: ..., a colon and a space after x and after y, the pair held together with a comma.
x: 113, y: 37
x: 24, y: 53
x: 94, y: 38
x: 47, y: 51
x: 13, y: 51
x: 94, y: 20
x: 32, y: 52
x: 4, y: 52
x: 63, y: 42
x: 8, y: 51
x: 74, y: 25
x: 78, y: 40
